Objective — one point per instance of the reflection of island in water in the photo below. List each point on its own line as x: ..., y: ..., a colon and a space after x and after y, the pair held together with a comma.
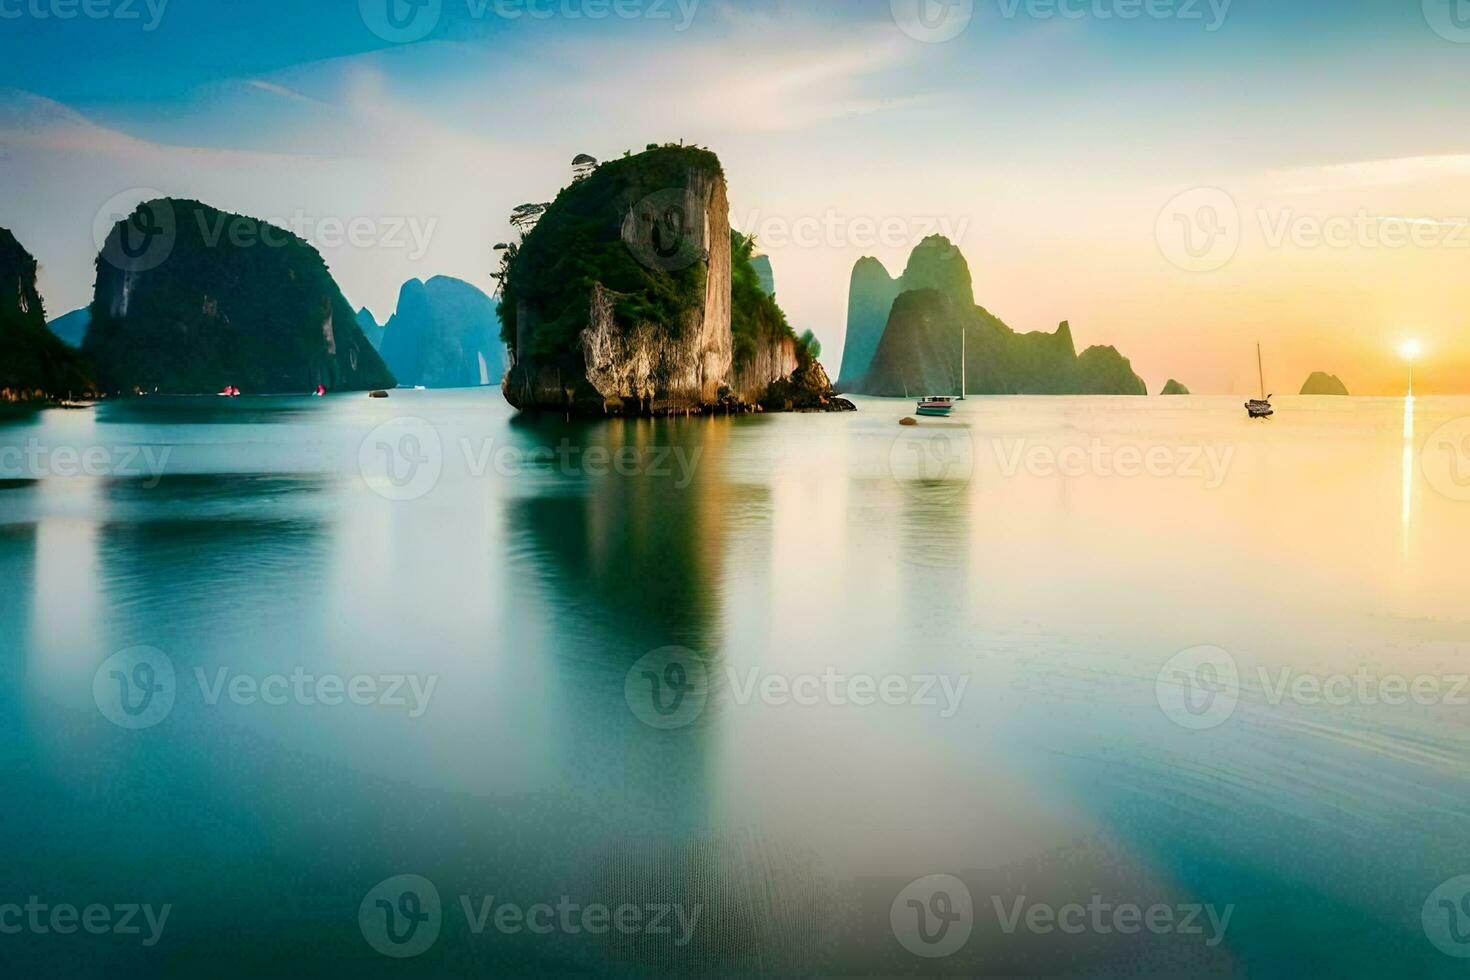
x: 635, y: 558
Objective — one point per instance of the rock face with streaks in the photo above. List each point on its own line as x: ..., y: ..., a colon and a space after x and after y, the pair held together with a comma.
x: 35, y: 366
x: 189, y: 299
x: 631, y: 296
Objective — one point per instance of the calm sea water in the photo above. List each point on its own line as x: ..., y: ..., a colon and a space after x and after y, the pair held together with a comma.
x: 262, y: 657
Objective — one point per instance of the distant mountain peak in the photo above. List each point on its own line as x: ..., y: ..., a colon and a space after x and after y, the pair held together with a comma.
x: 445, y: 333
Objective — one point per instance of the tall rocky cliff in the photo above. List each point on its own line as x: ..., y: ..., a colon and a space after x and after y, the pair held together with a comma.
x: 34, y: 364
x: 190, y: 299
x: 919, y: 350
x: 935, y: 263
x: 630, y: 296
x: 444, y: 334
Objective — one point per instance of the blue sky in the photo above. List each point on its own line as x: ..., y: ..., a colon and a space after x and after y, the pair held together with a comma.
x: 1052, y: 141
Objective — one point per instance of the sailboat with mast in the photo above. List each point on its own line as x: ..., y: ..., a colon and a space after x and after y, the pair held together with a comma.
x: 939, y: 406
x: 1260, y: 408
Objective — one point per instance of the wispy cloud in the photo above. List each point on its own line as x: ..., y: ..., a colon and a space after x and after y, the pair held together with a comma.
x: 1365, y: 174
x: 286, y: 93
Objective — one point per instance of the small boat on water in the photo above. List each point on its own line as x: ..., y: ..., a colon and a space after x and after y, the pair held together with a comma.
x: 1260, y: 408
x: 230, y: 392
x: 940, y: 406
x: 936, y: 406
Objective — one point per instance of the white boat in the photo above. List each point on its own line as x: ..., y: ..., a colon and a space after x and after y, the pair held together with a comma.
x: 940, y: 406
x: 936, y: 406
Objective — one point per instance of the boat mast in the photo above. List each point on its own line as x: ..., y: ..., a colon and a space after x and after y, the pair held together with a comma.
x: 1261, y: 370
x: 962, y: 362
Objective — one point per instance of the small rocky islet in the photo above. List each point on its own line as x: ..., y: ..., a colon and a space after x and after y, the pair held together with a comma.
x: 1322, y: 383
x: 632, y: 295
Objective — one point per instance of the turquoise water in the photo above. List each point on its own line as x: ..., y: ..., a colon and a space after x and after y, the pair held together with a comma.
x: 560, y: 634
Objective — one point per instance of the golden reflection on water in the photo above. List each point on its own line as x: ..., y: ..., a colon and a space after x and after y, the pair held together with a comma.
x: 1406, y: 513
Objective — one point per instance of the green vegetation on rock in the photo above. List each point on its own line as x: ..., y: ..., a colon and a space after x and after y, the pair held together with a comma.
x: 754, y: 315
x: 919, y: 352
x: 935, y: 263
x: 34, y: 364
x: 224, y: 299
x: 1173, y: 387
x: 578, y: 241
